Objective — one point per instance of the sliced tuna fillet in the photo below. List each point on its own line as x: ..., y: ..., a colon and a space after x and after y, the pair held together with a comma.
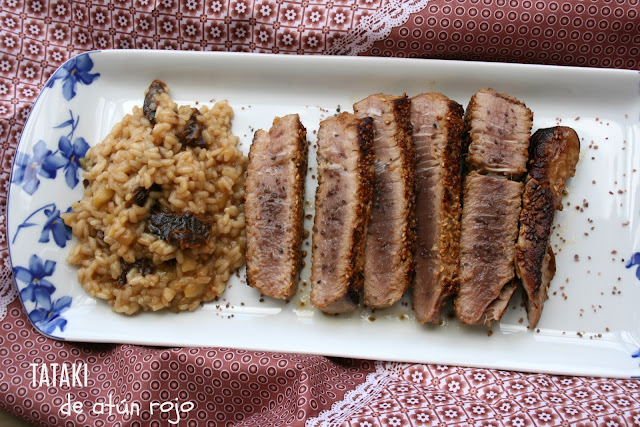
x: 487, y: 246
x: 343, y: 205
x: 554, y: 154
x: 273, y: 207
x: 437, y: 134
x: 389, y: 244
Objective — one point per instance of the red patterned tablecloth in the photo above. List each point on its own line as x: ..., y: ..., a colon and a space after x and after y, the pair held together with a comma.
x: 251, y: 388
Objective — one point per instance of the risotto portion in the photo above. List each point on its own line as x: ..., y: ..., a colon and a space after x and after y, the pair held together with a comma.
x: 161, y: 223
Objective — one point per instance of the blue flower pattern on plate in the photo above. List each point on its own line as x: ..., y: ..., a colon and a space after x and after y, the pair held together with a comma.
x: 28, y: 167
x: 53, y: 225
x: 46, y: 314
x: 69, y: 154
x: 48, y: 320
x: 635, y: 260
x: 76, y: 70
x: 45, y: 162
x: 38, y: 289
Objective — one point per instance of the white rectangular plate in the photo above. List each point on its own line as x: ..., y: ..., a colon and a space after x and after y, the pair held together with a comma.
x: 590, y: 324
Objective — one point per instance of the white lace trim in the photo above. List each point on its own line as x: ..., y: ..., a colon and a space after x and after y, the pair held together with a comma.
x: 376, y: 27
x: 8, y: 291
x: 361, y: 396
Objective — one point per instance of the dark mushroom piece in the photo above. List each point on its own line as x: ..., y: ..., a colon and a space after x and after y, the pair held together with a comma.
x: 143, y: 265
x: 141, y: 194
x: 182, y: 230
x: 191, y: 135
x: 149, y: 107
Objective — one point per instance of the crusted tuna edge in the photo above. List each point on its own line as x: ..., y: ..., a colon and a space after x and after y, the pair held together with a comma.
x: 301, y: 167
x: 450, y: 226
x: 535, y: 260
x: 364, y: 194
x: 295, y: 250
x: 402, y: 113
x: 541, y: 160
x: 539, y: 266
x: 536, y: 220
x: 403, y: 138
x: 450, y: 238
x: 468, y: 137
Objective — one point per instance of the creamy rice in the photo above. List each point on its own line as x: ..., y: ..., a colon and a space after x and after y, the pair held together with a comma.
x: 119, y: 258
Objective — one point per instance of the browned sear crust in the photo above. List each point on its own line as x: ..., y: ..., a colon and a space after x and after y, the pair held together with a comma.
x: 554, y: 154
x: 553, y: 158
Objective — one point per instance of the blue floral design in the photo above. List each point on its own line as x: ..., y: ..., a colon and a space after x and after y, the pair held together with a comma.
x: 46, y: 314
x: 53, y: 225
x: 73, y: 154
x: 28, y: 167
x: 48, y: 320
x: 38, y: 288
x: 635, y: 260
x: 76, y: 70
x: 46, y: 163
x: 69, y: 154
x: 56, y: 226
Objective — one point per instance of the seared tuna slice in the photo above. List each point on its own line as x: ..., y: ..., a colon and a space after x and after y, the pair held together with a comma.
x: 343, y: 205
x: 437, y: 133
x: 553, y: 157
x: 388, y: 268
x: 487, y: 246
x: 273, y: 207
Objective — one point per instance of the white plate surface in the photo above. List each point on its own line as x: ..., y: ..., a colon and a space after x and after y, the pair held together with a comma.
x: 590, y: 324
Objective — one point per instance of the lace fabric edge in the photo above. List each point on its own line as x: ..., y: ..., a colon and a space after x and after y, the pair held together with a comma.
x: 376, y: 27
x: 359, y: 397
